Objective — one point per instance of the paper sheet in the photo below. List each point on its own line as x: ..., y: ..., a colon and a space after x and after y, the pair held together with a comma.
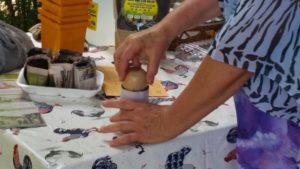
x: 112, y: 85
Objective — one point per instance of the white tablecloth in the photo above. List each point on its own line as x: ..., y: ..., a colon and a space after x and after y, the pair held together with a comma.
x: 204, y: 146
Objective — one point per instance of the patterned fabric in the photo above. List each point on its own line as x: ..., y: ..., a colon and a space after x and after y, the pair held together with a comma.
x: 265, y: 142
x: 263, y: 37
x: 71, y: 141
x: 104, y: 163
x: 175, y: 160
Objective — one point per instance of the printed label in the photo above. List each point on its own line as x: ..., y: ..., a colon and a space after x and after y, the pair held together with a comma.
x: 140, y: 12
x: 141, y: 8
x: 93, y: 12
x: 136, y: 15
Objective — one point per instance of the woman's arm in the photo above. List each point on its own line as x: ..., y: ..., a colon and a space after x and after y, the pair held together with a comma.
x: 153, y: 42
x: 190, y: 13
x: 212, y: 85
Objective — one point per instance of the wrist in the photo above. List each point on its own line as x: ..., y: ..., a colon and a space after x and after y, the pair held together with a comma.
x: 166, y: 30
x: 174, y: 125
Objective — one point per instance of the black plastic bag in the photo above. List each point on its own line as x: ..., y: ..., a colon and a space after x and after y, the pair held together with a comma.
x: 14, y: 45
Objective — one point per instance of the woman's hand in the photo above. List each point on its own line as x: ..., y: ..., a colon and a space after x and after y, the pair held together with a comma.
x: 139, y: 122
x: 151, y: 43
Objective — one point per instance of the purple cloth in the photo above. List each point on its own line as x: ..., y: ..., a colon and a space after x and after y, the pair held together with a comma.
x: 264, y: 141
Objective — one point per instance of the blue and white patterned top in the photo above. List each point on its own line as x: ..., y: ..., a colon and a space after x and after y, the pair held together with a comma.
x: 263, y: 37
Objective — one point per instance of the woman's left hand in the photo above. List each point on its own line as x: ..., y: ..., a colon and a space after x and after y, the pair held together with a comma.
x: 139, y: 122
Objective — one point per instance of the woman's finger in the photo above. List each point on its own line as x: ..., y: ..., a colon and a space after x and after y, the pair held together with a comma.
x: 124, y: 139
x: 117, y: 56
x: 136, y: 62
x: 123, y: 115
x: 127, y: 55
x: 153, y: 64
x: 123, y: 126
x: 120, y: 104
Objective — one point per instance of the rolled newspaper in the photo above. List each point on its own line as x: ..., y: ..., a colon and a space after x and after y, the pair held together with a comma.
x: 85, y: 74
x: 39, y: 51
x: 36, y: 70
x: 61, y: 70
x: 61, y: 75
x: 66, y: 56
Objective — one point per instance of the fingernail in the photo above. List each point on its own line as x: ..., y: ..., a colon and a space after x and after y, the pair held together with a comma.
x: 149, y: 82
x: 112, y: 144
x: 103, y: 102
x: 101, y: 129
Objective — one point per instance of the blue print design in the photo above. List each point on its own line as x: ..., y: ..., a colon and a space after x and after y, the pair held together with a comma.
x: 169, y: 85
x: 175, y: 160
x: 94, y: 113
x: 232, y: 135
x: 44, y: 108
x: 104, y: 163
x: 74, y: 133
x: 140, y: 146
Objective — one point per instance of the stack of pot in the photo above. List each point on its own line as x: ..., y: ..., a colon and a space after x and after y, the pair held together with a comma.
x: 64, y: 24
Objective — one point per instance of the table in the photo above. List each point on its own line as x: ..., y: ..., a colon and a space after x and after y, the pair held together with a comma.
x: 69, y: 140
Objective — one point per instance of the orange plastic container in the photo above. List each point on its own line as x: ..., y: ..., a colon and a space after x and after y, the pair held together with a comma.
x: 62, y: 36
x: 63, y: 20
x: 70, y: 2
x: 62, y: 11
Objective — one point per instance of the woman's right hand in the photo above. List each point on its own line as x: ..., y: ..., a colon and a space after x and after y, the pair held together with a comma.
x: 151, y: 43
x: 154, y: 41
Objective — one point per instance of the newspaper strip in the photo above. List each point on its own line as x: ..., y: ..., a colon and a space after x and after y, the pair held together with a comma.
x: 36, y: 69
x: 61, y: 75
x: 85, y: 74
x: 37, y: 76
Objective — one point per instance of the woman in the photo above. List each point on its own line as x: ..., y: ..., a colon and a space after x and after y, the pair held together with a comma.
x: 255, y: 57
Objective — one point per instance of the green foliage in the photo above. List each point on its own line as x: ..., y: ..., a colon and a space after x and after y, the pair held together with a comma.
x: 20, y: 13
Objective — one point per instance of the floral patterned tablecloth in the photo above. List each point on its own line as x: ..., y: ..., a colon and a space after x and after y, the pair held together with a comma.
x: 70, y: 141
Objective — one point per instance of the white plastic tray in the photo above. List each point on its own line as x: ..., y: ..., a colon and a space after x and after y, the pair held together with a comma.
x: 55, y: 91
